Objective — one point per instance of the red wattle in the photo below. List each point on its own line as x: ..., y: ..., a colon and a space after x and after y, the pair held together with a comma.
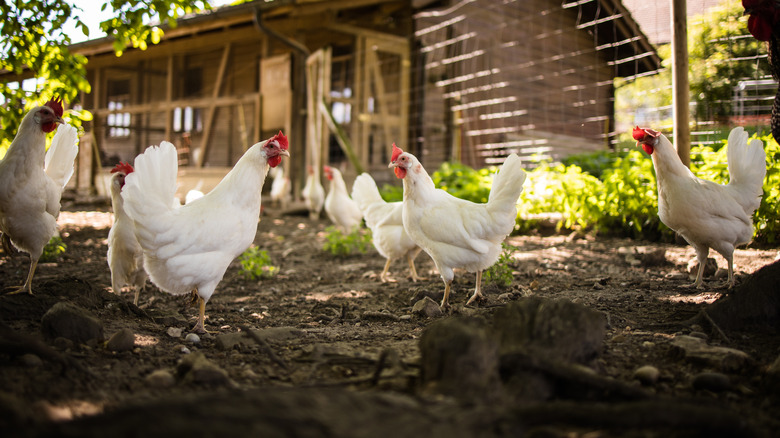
x: 400, y: 172
x: 274, y: 161
x: 649, y: 149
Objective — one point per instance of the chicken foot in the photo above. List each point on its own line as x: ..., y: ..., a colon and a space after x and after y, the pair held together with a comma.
x: 477, y: 290
x: 27, y: 284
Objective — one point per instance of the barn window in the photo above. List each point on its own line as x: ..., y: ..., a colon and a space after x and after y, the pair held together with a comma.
x: 188, y: 119
x: 118, y: 98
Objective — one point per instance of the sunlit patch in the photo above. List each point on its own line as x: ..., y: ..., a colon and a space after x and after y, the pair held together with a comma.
x: 325, y: 296
x: 68, y: 410
x: 260, y: 315
x: 703, y: 298
x: 80, y: 219
x: 146, y: 341
x: 278, y: 222
x: 241, y: 299
x: 301, y: 226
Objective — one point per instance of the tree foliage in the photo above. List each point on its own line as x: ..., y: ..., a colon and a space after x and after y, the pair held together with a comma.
x: 35, y: 45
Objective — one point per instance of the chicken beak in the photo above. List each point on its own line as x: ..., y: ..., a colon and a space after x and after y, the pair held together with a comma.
x: 284, y: 152
x: 392, y: 164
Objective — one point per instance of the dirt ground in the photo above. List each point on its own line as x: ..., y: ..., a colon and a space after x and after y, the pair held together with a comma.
x: 329, y: 324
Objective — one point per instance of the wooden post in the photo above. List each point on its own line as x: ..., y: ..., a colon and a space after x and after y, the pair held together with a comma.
x: 168, y: 99
x: 680, y: 84
x: 212, y: 108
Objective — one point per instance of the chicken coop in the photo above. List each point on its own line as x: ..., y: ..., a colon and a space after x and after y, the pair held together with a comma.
x: 468, y: 80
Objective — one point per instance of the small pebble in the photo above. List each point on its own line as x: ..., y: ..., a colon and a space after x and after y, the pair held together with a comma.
x: 192, y: 338
x: 405, y: 317
x: 647, y: 375
x: 181, y: 349
x: 160, y: 379
x: 715, y: 382
x: 31, y: 360
x: 700, y: 335
x: 174, y: 332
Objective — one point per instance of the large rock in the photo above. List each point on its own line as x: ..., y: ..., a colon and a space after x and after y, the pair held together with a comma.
x: 696, y: 350
x: 554, y: 329
x: 71, y: 322
x: 752, y: 305
x: 460, y: 359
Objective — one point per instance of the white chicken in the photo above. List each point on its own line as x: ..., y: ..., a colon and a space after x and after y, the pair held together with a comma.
x: 339, y: 207
x: 313, y: 193
x: 280, y: 188
x: 188, y: 248
x: 706, y: 214
x: 457, y: 233
x: 32, y: 180
x: 125, y: 256
x: 385, y: 219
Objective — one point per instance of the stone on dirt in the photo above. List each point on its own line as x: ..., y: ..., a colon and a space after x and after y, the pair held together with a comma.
x: 123, y: 340
x: 196, y: 368
x: 554, y: 328
x: 71, y: 322
x: 30, y: 360
x: 427, y: 308
x: 754, y: 304
x: 460, y: 359
x: 647, y: 375
x: 696, y: 350
x: 192, y: 338
x: 160, y: 379
x: 174, y: 332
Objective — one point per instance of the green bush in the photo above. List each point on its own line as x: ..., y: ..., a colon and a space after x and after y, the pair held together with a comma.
x: 256, y: 264
x: 340, y: 244
x: 614, y: 194
x: 52, y: 250
x: 501, y: 271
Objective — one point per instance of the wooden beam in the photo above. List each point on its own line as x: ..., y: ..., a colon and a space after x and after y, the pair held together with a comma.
x: 680, y: 83
x: 162, y: 106
x: 212, y: 110
x: 169, y: 99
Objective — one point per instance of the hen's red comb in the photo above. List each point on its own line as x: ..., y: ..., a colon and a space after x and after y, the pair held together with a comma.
x: 281, y: 139
x: 123, y: 167
x: 396, y: 152
x: 639, y: 133
x: 55, y: 103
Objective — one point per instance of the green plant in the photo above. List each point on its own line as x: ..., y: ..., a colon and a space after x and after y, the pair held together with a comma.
x: 52, y: 250
x: 256, y: 264
x: 340, y: 244
x: 501, y: 271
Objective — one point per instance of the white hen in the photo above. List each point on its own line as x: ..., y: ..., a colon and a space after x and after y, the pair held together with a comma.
x: 125, y: 256
x: 32, y: 180
x: 385, y: 219
x: 705, y: 213
x: 457, y: 233
x: 280, y: 188
x: 339, y: 207
x: 313, y: 193
x: 188, y: 248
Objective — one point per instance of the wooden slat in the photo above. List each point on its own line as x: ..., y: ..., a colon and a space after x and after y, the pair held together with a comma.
x: 212, y: 109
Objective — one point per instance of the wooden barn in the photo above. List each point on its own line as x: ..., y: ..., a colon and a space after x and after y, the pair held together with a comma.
x: 470, y: 80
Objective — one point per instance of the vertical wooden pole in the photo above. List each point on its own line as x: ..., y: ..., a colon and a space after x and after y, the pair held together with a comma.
x: 168, y: 100
x: 680, y: 84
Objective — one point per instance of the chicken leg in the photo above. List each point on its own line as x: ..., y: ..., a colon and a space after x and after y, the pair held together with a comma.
x: 27, y: 284
x: 199, y: 326
x: 410, y: 256
x: 477, y: 290
x: 383, y: 275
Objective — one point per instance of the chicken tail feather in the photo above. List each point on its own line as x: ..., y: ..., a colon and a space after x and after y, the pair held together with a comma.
x: 747, y: 168
x: 508, y: 182
x: 365, y: 191
x: 151, y: 188
x: 61, y: 155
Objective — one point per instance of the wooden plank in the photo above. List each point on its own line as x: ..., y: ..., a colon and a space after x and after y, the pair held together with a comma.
x: 169, y: 99
x: 162, y: 106
x: 212, y: 109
